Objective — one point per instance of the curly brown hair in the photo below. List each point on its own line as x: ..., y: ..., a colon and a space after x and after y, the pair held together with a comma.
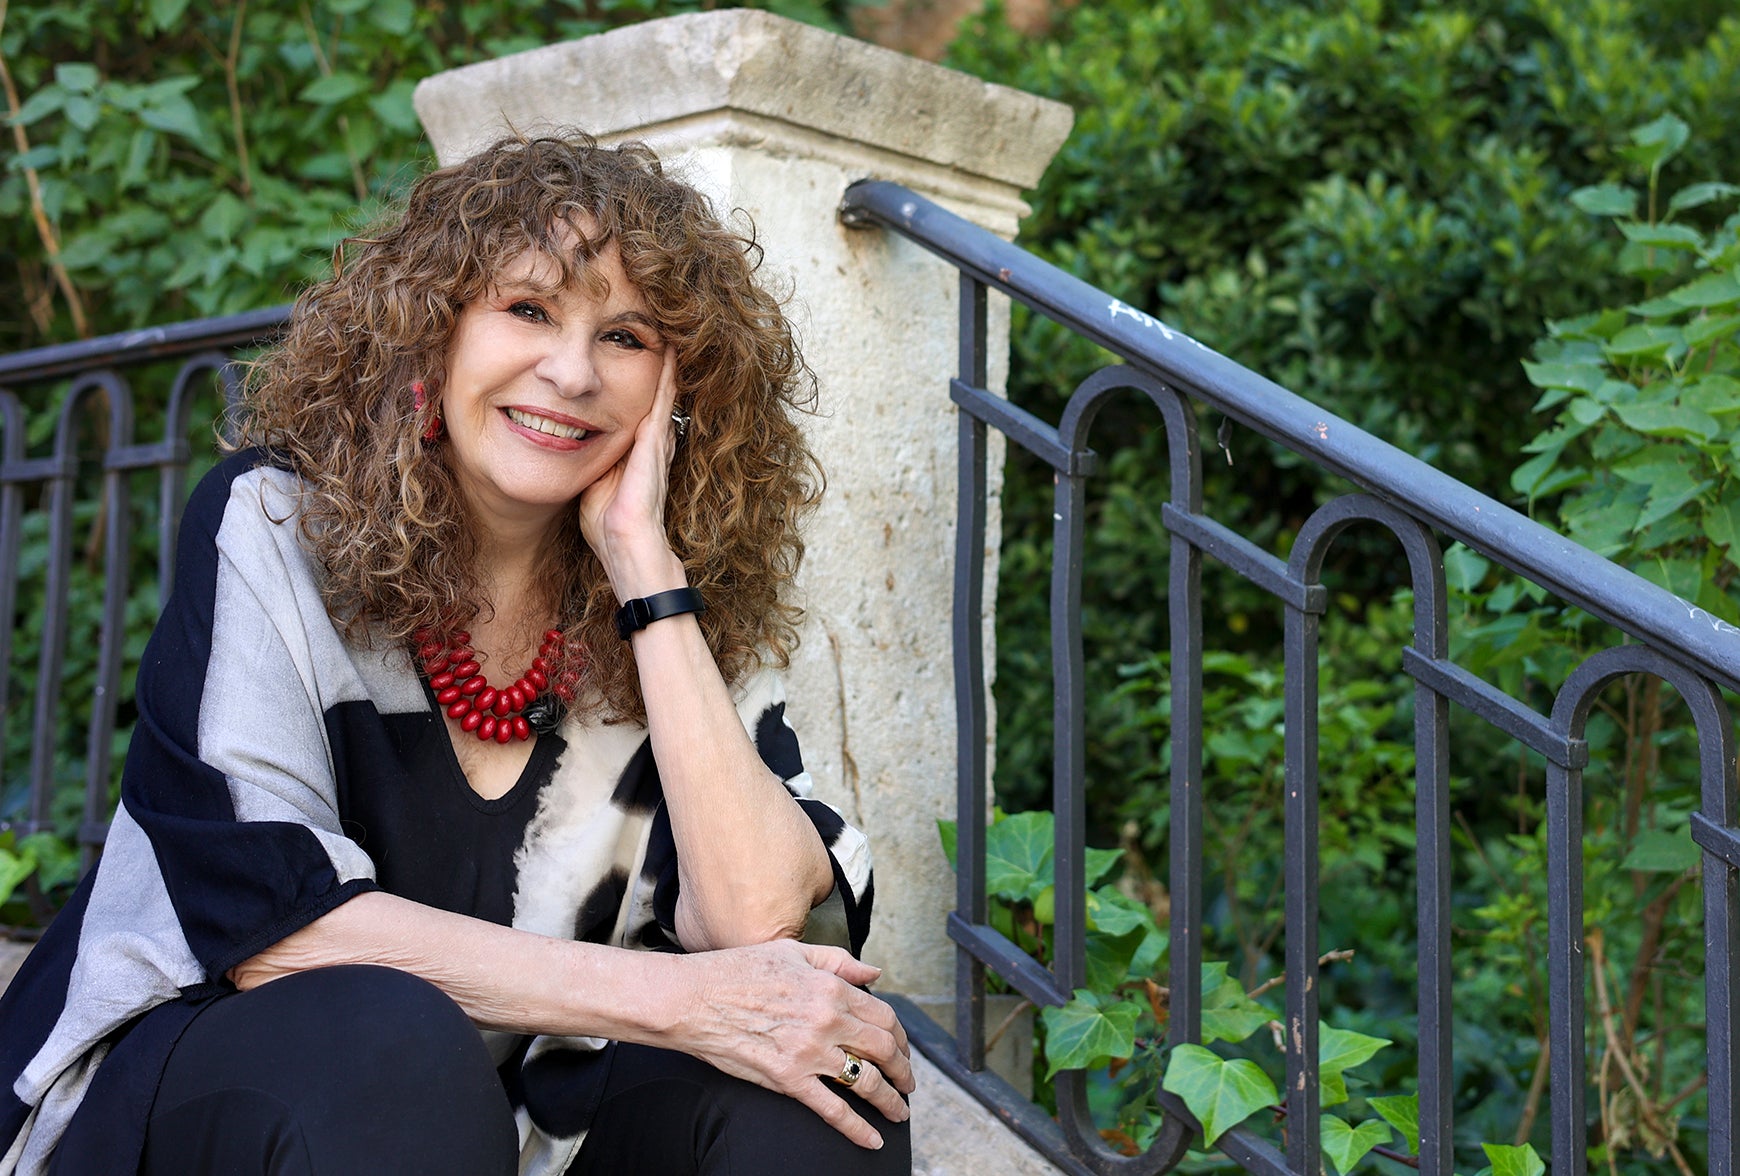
x: 380, y: 509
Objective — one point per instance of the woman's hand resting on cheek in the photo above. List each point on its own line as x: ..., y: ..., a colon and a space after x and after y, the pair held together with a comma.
x: 622, y: 514
x: 784, y: 1015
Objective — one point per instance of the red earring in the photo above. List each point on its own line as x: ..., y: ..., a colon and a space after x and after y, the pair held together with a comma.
x: 420, y: 400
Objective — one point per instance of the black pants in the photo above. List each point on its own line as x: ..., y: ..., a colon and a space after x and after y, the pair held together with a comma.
x: 370, y: 1071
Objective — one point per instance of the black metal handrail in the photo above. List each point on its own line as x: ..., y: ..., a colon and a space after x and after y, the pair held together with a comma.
x: 207, y: 349
x: 1677, y: 642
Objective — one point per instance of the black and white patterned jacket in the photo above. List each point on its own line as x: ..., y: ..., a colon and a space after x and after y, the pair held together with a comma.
x: 276, y: 772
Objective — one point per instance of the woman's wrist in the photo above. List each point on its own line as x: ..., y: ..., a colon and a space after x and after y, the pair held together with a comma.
x: 638, y: 576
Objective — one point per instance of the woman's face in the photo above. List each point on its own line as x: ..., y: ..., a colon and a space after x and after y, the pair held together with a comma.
x: 545, y: 386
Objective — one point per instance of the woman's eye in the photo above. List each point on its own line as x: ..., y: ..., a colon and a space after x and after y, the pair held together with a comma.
x: 530, y: 311
x: 624, y: 338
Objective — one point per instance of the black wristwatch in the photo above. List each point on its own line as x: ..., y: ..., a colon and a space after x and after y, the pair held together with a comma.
x: 637, y: 614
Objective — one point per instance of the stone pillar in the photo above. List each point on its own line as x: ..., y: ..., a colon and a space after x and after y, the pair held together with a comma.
x: 776, y: 118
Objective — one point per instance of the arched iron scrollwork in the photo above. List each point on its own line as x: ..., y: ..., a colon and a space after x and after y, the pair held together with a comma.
x: 1565, y: 971
x: 1418, y: 503
x: 1069, y: 796
x: 60, y: 484
x: 50, y: 485
x: 1431, y: 828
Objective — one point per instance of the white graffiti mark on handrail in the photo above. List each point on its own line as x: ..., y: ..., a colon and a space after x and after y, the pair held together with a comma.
x: 1147, y: 320
x: 1716, y: 623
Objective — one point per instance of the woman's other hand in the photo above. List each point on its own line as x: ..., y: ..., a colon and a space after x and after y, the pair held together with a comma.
x: 622, y: 514
x: 784, y: 1015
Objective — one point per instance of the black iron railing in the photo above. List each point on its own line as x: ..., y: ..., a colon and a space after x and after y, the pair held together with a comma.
x: 1674, y: 641
x: 97, y: 375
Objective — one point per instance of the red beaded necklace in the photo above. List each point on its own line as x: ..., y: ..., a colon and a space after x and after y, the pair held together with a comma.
x: 487, y: 711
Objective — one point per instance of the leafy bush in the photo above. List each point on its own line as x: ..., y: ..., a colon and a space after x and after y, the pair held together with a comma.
x: 1638, y: 461
x: 195, y: 159
x: 1365, y: 202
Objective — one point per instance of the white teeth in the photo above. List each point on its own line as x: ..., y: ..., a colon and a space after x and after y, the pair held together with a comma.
x: 545, y: 425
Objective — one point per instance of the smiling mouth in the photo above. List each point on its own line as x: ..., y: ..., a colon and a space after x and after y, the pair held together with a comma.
x: 545, y: 425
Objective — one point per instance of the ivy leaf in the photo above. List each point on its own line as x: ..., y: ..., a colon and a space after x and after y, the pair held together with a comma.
x: 1018, y: 853
x: 1340, y: 1050
x: 1227, y: 1013
x: 1401, y: 1111
x: 14, y: 868
x: 1221, y: 1094
x: 1514, y: 1161
x: 1114, y: 914
x: 945, y: 831
x: 1346, y: 1146
x: 1109, y: 957
x: 1089, y: 1031
x: 1663, y: 851
x: 1098, y: 863
x: 1606, y: 200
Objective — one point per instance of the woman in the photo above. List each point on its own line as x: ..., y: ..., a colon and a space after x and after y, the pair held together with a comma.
x: 465, y: 688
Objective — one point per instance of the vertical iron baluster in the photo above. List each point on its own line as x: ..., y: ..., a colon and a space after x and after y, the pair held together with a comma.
x: 52, y: 649
x: 969, y: 656
x: 11, y: 518
x: 1721, y: 940
x: 1184, y: 926
x: 1304, y: 1151
x: 1565, y: 1008
x: 1068, y: 772
x: 1432, y: 869
x: 113, y: 635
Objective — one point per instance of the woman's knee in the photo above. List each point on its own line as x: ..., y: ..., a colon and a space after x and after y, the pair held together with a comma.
x: 360, y: 1064
x: 700, y: 1120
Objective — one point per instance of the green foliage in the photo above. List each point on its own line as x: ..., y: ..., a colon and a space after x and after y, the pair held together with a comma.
x: 1220, y: 1093
x: 1365, y: 202
x: 200, y: 159
x: 1402, y: 1112
x: 1088, y: 1032
x: 1640, y: 457
x: 1512, y: 1161
x: 1346, y: 1145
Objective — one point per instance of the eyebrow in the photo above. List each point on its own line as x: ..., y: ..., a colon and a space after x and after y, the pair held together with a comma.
x: 635, y: 316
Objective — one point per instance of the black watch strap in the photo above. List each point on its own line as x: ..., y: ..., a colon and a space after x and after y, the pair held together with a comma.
x: 637, y: 614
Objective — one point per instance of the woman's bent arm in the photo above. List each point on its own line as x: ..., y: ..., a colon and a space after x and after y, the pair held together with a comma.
x: 751, y: 865
x: 779, y: 1014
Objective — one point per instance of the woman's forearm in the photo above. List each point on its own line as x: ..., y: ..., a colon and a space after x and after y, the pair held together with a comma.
x: 779, y: 1014
x: 503, y: 978
x: 751, y: 865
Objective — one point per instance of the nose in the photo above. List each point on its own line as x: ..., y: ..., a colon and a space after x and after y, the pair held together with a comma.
x: 568, y: 365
